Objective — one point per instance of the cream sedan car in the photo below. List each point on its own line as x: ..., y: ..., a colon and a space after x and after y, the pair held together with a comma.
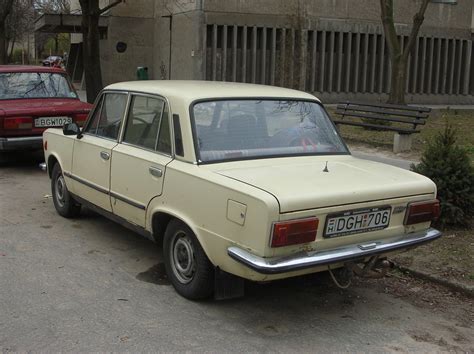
x: 236, y: 181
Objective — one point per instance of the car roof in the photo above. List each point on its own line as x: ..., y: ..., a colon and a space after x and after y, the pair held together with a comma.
x: 195, y: 90
x: 29, y: 69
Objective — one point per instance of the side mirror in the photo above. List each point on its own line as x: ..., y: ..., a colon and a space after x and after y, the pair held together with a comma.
x: 71, y: 129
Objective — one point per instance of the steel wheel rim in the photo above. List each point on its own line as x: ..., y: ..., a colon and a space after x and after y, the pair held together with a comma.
x: 182, y: 257
x: 60, y: 190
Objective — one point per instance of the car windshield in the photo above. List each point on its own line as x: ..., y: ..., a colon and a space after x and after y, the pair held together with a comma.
x: 245, y: 129
x: 34, y: 85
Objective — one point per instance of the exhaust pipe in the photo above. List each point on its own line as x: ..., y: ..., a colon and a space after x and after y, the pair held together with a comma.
x: 373, y: 268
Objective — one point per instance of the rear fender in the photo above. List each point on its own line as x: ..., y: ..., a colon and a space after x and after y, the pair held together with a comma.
x: 155, y: 207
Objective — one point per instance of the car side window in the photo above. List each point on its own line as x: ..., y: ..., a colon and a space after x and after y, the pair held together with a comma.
x: 113, y: 108
x: 91, y: 126
x: 164, y: 138
x: 148, y: 119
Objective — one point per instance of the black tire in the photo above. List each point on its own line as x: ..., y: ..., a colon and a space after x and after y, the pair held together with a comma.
x: 63, y: 202
x: 192, y: 277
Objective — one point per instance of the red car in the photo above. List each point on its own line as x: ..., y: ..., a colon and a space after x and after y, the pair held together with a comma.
x: 32, y: 99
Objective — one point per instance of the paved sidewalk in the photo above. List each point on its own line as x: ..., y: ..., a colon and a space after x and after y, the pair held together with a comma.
x: 82, y: 95
x: 402, y: 163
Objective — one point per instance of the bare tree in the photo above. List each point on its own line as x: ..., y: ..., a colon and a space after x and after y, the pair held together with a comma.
x: 49, y: 7
x: 90, y: 41
x: 19, y: 23
x: 5, y: 9
x: 52, y: 6
x: 399, y: 55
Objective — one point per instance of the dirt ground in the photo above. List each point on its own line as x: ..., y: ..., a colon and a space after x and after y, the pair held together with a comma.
x: 451, y: 257
x: 424, y: 294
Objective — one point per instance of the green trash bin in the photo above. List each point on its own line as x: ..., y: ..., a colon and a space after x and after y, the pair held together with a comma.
x: 142, y: 73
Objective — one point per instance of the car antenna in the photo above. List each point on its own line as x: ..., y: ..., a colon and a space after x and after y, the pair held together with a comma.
x: 326, y: 167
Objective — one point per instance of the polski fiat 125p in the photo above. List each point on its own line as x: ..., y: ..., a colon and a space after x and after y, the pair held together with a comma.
x: 236, y: 181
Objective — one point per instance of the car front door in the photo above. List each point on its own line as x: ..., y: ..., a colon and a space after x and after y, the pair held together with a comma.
x: 93, y: 151
x: 139, y: 160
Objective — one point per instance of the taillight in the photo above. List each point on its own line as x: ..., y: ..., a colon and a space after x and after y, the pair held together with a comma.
x: 419, y: 212
x: 294, y: 232
x: 80, y: 118
x: 18, y: 123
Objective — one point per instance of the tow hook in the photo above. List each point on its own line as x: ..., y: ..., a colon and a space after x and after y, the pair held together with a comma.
x: 375, y: 267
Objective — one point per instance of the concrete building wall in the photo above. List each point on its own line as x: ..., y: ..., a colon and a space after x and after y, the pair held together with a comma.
x: 334, y: 48
x: 130, y: 22
x: 446, y: 16
x: 137, y: 33
x: 178, y: 32
x: 186, y: 53
x: 338, y: 51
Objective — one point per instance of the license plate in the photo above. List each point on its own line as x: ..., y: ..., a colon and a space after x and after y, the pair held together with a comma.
x: 52, y: 121
x: 357, y: 221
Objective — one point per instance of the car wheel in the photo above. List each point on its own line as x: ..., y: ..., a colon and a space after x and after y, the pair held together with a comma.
x: 187, y: 266
x: 63, y: 202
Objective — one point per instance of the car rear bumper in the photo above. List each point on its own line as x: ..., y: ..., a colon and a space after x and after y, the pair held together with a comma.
x: 303, y: 260
x: 21, y: 143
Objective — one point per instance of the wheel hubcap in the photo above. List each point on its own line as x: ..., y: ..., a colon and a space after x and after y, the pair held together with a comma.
x: 182, y: 257
x: 60, y: 190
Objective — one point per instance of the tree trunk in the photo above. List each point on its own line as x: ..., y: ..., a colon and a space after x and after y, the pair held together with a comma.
x: 399, y: 55
x: 91, y: 48
x: 91, y: 45
x: 5, y: 10
x: 10, y: 56
x: 398, y: 81
x: 3, y: 44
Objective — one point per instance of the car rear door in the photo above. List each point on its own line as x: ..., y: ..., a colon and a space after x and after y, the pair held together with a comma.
x: 93, y: 151
x: 139, y: 161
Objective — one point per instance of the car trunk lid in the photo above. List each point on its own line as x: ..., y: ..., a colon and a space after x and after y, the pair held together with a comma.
x: 302, y: 183
x: 38, y: 108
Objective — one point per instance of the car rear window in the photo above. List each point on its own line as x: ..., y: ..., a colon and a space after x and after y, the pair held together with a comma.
x: 245, y: 129
x: 34, y: 85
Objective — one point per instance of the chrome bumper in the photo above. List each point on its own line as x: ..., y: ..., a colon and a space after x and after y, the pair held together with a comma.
x: 21, y: 143
x: 304, y: 260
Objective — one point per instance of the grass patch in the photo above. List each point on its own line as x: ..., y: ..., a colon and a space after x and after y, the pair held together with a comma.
x: 461, y: 120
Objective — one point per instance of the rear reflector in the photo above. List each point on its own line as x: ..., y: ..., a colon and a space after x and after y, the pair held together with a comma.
x: 294, y: 232
x: 18, y: 123
x: 45, y: 145
x: 419, y: 212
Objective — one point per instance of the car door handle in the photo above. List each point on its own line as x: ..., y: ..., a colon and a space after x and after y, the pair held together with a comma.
x: 104, y: 155
x: 155, y: 171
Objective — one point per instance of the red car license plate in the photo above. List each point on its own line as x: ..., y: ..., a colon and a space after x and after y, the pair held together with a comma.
x: 44, y: 122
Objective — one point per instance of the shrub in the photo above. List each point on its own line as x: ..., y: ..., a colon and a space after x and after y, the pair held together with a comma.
x: 449, y: 166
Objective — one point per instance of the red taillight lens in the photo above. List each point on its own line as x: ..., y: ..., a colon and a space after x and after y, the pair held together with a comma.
x: 18, y: 123
x: 80, y: 118
x: 419, y: 212
x: 294, y: 232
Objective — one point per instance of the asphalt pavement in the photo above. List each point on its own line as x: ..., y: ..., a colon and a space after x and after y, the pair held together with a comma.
x: 88, y: 284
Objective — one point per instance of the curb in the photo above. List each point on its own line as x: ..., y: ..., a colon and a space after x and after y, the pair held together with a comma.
x: 455, y: 286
